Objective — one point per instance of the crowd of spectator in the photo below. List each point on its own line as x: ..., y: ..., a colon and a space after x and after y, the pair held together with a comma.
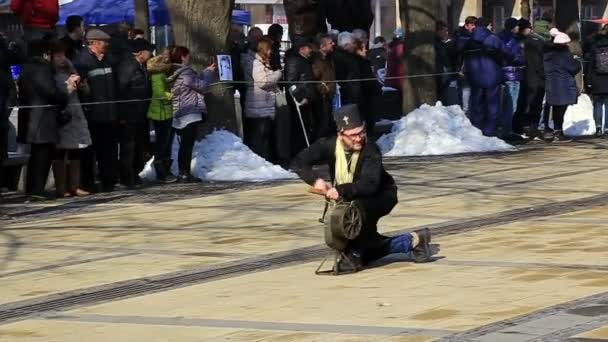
x: 90, y: 102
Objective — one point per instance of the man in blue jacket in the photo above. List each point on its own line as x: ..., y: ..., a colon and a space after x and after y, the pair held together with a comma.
x: 513, y: 75
x: 484, y: 56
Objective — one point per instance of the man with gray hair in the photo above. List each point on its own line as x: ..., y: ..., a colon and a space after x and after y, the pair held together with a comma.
x: 361, y: 36
x: 347, y: 68
x: 346, y: 41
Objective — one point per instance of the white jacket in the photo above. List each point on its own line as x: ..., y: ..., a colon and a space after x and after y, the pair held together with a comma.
x: 261, y: 95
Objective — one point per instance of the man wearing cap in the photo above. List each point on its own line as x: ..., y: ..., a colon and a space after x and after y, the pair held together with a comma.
x: 93, y: 67
x: 134, y: 133
x: 357, y: 175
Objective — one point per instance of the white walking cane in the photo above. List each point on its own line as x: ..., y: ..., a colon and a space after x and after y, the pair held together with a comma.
x: 298, y: 105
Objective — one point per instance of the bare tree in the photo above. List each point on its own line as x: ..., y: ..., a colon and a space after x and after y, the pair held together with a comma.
x: 420, y: 18
x: 204, y: 27
x: 142, y: 17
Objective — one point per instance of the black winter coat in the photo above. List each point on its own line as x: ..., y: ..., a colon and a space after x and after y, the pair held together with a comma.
x: 378, y: 58
x: 446, y: 61
x: 37, y: 87
x: 534, y: 50
x: 348, y: 68
x: 597, y: 81
x: 370, y: 90
x: 560, y: 70
x: 370, y: 176
x: 298, y: 68
x: 102, y: 83
x: 133, y: 84
x: 74, y: 47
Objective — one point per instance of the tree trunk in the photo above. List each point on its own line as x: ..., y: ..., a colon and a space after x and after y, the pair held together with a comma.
x: 419, y: 18
x: 204, y: 27
x: 142, y: 17
x: 526, y: 9
x: 306, y: 18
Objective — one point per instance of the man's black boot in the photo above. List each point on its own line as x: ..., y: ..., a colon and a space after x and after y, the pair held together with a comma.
x: 422, y: 252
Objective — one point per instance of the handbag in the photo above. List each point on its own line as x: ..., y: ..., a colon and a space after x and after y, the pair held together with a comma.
x: 63, y: 117
x: 281, y: 99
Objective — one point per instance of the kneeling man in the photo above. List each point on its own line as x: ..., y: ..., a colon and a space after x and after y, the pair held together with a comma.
x: 357, y: 175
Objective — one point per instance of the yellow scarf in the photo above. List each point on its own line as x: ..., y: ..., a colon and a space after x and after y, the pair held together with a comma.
x: 345, y: 171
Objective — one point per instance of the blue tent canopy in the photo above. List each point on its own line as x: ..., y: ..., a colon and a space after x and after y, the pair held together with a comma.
x: 100, y: 12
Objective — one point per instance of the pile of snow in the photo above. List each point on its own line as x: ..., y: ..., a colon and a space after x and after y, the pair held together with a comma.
x: 222, y: 156
x: 579, y: 120
x: 437, y: 130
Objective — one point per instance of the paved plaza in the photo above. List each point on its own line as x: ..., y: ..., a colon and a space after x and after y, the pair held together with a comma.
x: 521, y: 246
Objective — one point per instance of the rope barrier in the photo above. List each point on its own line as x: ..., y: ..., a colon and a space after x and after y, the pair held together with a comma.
x: 241, y: 82
x: 581, y: 60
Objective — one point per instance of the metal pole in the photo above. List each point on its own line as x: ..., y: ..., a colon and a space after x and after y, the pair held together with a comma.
x: 398, y: 14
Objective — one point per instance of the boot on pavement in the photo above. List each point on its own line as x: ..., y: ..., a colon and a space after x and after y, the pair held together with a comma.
x: 74, y: 180
x: 60, y: 174
x: 422, y: 251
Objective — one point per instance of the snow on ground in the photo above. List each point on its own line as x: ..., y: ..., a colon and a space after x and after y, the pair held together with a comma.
x: 579, y: 118
x: 222, y: 156
x: 437, y: 130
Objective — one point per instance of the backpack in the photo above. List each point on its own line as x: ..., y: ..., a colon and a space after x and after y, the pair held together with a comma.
x: 601, y: 60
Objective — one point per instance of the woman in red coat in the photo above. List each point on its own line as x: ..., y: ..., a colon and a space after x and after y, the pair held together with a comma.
x: 38, y: 16
x: 395, y: 64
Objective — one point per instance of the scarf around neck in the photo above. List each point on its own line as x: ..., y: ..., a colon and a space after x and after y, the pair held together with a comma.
x: 345, y: 169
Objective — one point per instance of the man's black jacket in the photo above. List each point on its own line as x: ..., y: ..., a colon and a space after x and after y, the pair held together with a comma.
x: 101, y: 80
x: 348, y: 68
x: 133, y: 84
x: 299, y: 69
x: 370, y: 176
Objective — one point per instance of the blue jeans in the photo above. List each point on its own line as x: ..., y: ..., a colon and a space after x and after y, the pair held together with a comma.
x: 466, y: 96
x: 600, y: 109
x: 509, y: 106
x: 400, y: 244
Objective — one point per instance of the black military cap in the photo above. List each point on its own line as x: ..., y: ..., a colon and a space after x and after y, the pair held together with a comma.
x: 348, y: 117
